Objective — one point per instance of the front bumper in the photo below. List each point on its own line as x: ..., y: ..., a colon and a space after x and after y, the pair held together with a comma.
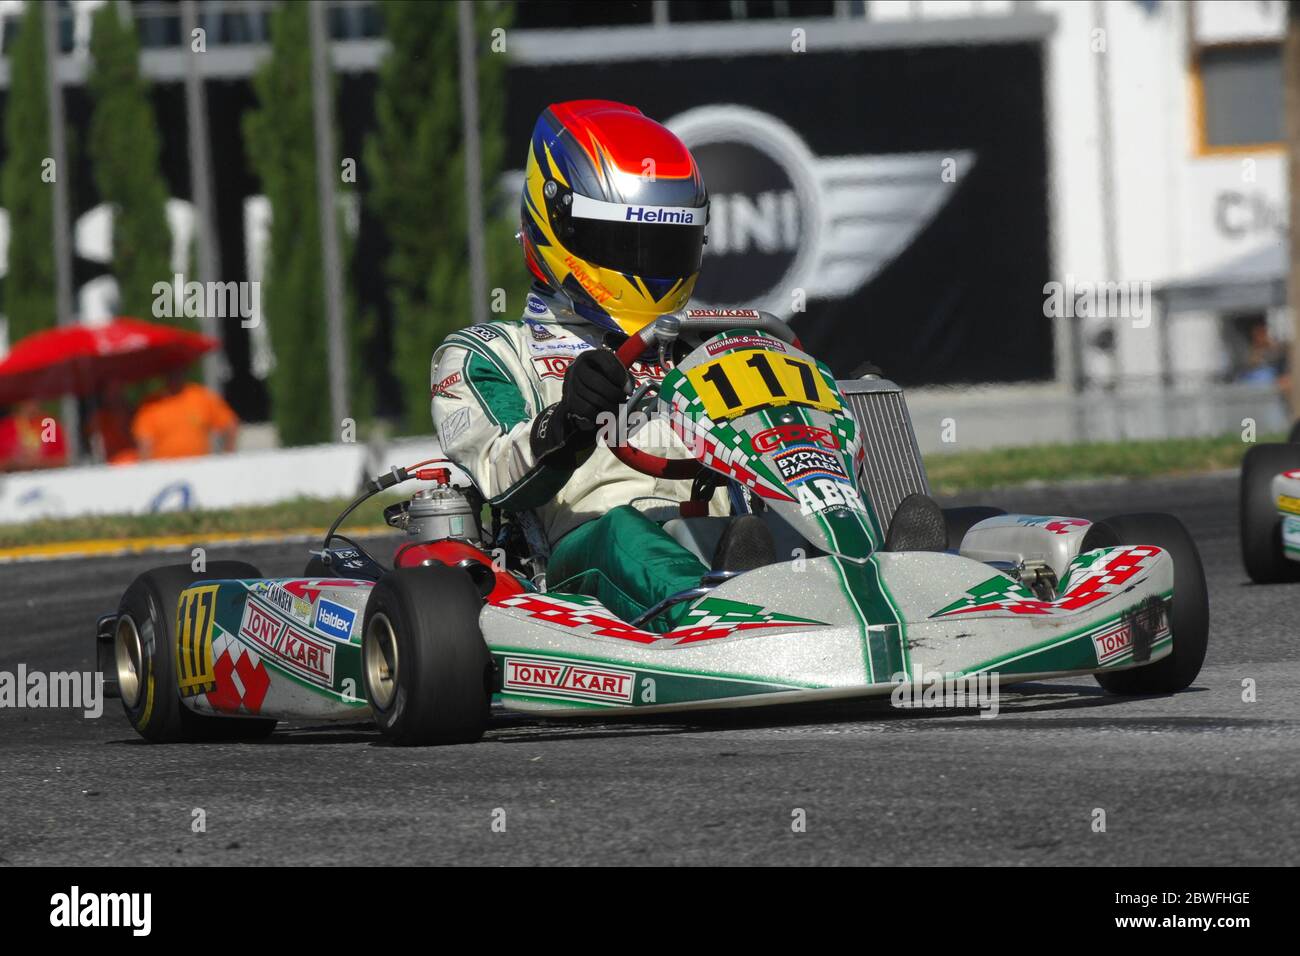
x: 105, y: 659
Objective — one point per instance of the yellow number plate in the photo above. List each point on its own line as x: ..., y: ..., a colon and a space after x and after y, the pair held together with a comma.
x: 195, y: 615
x: 741, y: 382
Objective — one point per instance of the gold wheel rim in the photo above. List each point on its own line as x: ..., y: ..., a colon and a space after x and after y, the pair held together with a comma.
x: 381, y: 661
x: 129, y: 654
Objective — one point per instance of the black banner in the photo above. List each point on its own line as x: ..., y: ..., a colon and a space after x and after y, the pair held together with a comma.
x: 902, y: 190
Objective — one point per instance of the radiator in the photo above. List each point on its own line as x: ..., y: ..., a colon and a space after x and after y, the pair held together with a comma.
x: 891, y: 465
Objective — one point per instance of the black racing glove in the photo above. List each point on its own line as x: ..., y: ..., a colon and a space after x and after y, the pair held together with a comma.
x: 596, y: 383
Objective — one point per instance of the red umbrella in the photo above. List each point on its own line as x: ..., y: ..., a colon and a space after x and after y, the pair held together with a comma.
x: 80, y: 360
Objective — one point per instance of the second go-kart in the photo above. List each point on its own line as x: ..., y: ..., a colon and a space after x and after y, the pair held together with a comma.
x: 1270, y: 510
x: 879, y: 586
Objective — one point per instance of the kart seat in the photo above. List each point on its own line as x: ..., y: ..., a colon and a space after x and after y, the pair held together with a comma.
x: 918, y: 525
x: 746, y: 544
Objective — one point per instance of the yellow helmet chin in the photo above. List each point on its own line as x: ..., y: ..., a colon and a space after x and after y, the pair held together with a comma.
x: 613, y: 213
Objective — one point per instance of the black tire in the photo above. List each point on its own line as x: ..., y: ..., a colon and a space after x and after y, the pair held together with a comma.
x: 423, y: 623
x: 961, y: 520
x: 149, y: 606
x: 1261, y: 528
x: 1190, y: 616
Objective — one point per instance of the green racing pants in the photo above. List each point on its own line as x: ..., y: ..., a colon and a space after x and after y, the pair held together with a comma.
x: 627, y: 562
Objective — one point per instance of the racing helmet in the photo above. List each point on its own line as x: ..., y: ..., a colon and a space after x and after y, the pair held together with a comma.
x: 613, y: 213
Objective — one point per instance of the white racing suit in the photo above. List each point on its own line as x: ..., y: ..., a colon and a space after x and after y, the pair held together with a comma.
x: 489, y: 382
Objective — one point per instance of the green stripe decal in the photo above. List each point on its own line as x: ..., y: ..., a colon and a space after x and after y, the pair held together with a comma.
x: 496, y: 393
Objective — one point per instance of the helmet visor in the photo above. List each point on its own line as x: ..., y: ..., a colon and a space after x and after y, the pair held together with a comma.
x: 653, y: 241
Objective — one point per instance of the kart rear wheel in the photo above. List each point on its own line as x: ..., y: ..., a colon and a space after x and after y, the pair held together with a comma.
x: 961, y: 520
x: 145, y: 651
x: 424, y: 663
x: 1261, y: 526
x: 1189, y: 617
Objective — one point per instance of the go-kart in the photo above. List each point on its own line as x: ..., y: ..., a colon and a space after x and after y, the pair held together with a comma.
x: 1270, y: 510
x: 875, y: 584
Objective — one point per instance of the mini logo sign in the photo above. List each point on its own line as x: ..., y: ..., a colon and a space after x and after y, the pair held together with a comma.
x: 783, y: 218
x: 569, y: 679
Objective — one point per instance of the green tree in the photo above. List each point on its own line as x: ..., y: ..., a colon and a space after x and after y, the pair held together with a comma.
x: 280, y: 139
x: 125, y: 148
x: 28, y: 193
x: 416, y: 164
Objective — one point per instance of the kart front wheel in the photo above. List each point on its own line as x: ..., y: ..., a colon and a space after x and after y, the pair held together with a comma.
x: 1189, y: 616
x: 144, y: 648
x: 424, y: 664
x: 1261, y: 526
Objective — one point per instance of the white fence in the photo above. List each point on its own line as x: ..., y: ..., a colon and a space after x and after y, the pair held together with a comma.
x: 214, y: 481
x: 972, y: 417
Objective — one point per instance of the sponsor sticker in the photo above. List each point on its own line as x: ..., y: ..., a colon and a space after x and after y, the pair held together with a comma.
x: 721, y: 314
x: 484, y: 333
x: 307, y: 656
x: 570, y: 679
x: 552, y: 366
x: 647, y: 371
x: 335, y: 620
x: 1117, y: 641
x: 744, y: 342
x: 800, y: 464
x: 261, y: 628
x: 559, y: 347
x: 443, y: 388
x: 585, y: 207
x: 535, y: 305
x: 289, y: 603
x: 824, y: 494
x: 772, y: 438
x: 539, y: 331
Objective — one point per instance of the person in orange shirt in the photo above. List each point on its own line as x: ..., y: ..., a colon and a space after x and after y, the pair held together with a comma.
x: 186, y: 420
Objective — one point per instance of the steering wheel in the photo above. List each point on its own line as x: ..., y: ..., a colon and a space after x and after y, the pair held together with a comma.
x: 656, y: 466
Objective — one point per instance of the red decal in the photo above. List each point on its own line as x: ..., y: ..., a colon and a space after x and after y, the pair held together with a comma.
x: 765, y: 441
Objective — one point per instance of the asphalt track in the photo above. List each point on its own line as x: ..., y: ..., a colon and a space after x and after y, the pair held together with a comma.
x: 1198, y: 778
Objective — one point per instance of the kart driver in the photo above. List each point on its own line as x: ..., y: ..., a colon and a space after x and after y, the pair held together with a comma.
x: 613, y: 218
